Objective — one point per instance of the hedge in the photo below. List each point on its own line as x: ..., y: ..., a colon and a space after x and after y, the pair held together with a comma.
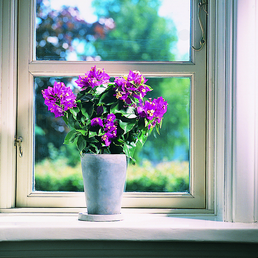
x: 164, y: 177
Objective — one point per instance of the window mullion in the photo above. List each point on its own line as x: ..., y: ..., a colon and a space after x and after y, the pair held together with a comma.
x: 64, y: 68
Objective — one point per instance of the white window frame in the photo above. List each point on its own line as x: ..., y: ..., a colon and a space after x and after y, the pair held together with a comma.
x: 27, y: 68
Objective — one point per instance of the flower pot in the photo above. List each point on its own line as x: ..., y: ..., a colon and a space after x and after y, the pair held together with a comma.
x: 104, y: 179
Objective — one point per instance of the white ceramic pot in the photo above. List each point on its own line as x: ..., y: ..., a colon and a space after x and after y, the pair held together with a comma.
x: 104, y: 179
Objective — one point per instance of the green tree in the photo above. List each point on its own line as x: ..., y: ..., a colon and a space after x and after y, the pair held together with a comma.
x: 176, y: 122
x: 140, y: 34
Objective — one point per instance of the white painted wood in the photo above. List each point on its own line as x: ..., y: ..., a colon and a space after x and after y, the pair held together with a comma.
x: 210, y: 138
x: 228, y: 73
x: 8, y: 102
x: 244, y: 113
x: 219, y: 106
x: 134, y: 227
x: 256, y: 120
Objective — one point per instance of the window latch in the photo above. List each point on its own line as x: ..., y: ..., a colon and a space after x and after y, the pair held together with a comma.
x: 17, y: 143
x: 201, y: 6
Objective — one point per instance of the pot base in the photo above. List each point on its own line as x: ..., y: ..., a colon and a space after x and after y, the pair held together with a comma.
x: 84, y: 216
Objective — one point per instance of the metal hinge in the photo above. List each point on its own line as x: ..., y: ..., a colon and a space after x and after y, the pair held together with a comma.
x: 17, y: 143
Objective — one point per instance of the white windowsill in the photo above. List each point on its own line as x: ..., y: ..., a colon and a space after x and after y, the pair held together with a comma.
x: 145, y: 227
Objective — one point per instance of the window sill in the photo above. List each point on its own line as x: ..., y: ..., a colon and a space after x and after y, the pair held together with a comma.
x: 134, y: 227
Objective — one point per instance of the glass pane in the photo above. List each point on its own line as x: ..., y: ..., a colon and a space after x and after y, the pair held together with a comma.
x: 113, y: 30
x: 162, y: 164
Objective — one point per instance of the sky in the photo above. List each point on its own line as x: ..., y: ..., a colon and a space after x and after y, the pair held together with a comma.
x: 177, y: 10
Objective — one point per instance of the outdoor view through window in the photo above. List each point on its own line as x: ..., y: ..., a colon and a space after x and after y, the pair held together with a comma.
x: 115, y: 30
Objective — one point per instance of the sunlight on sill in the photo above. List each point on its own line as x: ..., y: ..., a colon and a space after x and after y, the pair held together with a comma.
x: 134, y: 227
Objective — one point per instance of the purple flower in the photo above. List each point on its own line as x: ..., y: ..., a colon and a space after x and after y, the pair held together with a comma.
x: 141, y: 91
x: 120, y: 81
x: 149, y: 109
x: 136, y: 77
x: 110, y: 128
x: 131, y: 86
x: 111, y: 117
x: 96, y: 121
x: 141, y: 111
x: 161, y: 108
x: 94, y: 77
x: 153, y: 110
x: 59, y: 98
x: 107, y: 138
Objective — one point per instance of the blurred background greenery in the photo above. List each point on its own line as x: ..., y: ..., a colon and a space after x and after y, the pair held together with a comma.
x: 117, y: 35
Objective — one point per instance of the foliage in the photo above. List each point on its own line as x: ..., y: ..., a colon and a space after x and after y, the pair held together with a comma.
x: 175, y: 128
x: 57, y: 31
x: 140, y: 34
x: 55, y: 175
x: 105, y: 117
x: 165, y: 177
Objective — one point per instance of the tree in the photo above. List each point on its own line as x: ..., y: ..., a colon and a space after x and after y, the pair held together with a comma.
x: 140, y: 34
x: 176, y: 122
x: 58, y: 30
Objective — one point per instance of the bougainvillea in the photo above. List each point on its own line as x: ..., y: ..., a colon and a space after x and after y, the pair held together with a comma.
x: 59, y: 98
x: 107, y: 117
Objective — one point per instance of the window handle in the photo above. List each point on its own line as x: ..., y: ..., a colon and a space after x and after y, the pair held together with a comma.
x: 203, y: 39
x: 17, y: 143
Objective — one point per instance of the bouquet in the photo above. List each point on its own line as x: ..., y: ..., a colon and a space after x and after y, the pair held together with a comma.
x: 106, y: 117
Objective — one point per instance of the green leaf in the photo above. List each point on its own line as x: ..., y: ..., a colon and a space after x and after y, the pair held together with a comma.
x: 65, y: 119
x: 83, y: 132
x: 130, y: 113
x: 74, y: 113
x: 93, y: 148
x: 157, y: 128
x: 87, y: 109
x: 85, y: 113
x: 129, y: 150
x: 70, y: 137
x: 107, y: 97
x: 81, y: 143
x: 86, y: 97
x: 70, y: 120
x: 115, y: 108
x: 92, y: 134
x: 83, y: 119
x: 126, y: 126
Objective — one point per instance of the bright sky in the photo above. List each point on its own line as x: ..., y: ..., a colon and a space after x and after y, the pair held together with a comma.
x: 177, y: 10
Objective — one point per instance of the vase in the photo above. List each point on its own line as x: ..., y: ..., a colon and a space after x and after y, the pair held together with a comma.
x: 104, y: 180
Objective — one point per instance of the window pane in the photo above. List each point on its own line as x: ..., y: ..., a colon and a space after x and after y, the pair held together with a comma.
x: 113, y: 30
x: 162, y: 164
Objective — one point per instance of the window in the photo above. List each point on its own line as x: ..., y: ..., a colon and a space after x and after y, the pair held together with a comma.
x: 34, y: 69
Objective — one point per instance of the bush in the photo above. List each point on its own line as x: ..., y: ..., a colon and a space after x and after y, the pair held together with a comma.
x: 56, y: 175
x: 165, y: 177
